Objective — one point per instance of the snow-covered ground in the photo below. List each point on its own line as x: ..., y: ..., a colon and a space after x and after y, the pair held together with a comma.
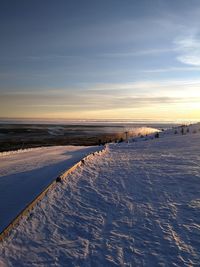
x: 137, y: 205
x: 25, y: 173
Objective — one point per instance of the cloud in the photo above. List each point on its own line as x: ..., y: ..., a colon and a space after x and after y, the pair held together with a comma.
x: 138, y: 53
x: 148, y: 94
x: 162, y: 88
x: 189, y: 48
x: 108, y: 99
x: 172, y: 69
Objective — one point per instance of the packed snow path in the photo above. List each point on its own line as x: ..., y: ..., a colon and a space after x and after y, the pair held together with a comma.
x: 25, y: 173
x: 138, y: 205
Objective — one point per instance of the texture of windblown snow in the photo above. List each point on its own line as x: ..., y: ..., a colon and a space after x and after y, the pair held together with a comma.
x: 136, y: 205
x: 25, y: 173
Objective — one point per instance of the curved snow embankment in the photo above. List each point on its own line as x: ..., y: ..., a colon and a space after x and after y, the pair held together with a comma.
x: 22, y: 190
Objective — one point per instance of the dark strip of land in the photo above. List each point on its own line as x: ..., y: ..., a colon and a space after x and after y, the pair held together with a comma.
x: 15, y: 136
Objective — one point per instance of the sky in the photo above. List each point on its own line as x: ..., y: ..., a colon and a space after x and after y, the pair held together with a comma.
x: 108, y: 59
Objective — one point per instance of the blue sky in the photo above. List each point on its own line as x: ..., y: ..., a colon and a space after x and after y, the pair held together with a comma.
x: 100, y: 59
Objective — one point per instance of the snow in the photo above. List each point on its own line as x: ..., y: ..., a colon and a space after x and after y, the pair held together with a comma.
x: 25, y: 173
x: 136, y: 205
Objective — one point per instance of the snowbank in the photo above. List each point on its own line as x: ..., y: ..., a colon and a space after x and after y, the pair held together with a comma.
x: 24, y: 174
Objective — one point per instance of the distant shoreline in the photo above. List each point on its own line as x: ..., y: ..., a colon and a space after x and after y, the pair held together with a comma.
x: 23, y: 136
x: 94, y: 122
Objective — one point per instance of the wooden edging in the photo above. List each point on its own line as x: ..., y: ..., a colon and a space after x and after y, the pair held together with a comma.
x: 25, y: 212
